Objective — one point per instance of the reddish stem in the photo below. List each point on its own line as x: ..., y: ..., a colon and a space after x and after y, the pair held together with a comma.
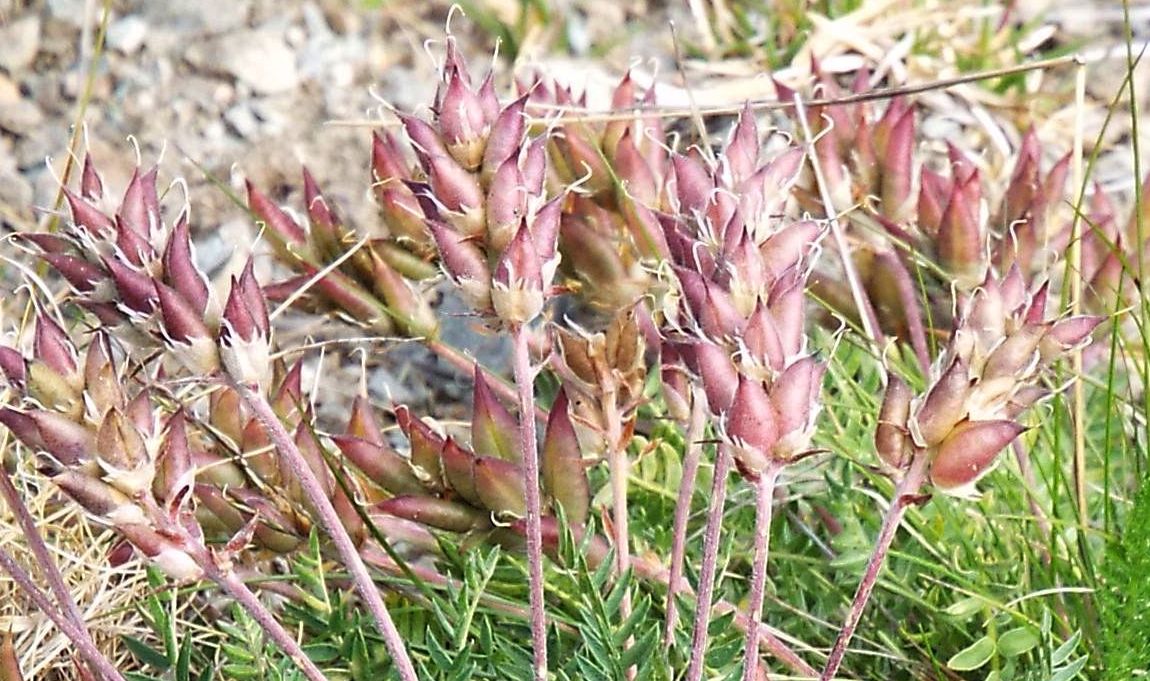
x: 237, y: 589
x: 710, y: 563
x: 529, y: 448
x: 764, y: 502
x: 695, y: 428
x: 329, y: 519
x: 909, y: 486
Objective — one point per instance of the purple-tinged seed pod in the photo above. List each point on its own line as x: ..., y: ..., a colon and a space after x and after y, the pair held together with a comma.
x: 969, y: 452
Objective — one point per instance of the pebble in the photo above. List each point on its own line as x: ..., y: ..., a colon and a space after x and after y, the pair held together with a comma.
x: 70, y: 12
x: 259, y: 59
x: 204, y: 17
x: 242, y: 120
x: 19, y: 42
x: 15, y: 190
x: 128, y: 35
x: 19, y: 116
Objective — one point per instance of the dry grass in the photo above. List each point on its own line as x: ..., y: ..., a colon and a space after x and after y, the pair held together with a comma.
x: 108, y: 597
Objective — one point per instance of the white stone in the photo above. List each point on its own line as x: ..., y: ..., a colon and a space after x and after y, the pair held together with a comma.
x: 259, y: 59
x: 19, y: 42
x: 128, y: 34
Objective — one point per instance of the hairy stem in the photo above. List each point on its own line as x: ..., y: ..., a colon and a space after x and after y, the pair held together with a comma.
x: 41, y: 553
x: 76, y: 634
x: 529, y: 448
x: 764, y: 502
x: 710, y: 563
x: 235, y: 587
x: 695, y: 428
x: 313, y: 490
x: 906, y: 488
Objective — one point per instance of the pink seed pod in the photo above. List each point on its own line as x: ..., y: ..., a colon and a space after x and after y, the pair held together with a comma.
x: 501, y: 487
x: 54, y: 348
x: 761, y: 345
x: 1067, y: 335
x: 175, y: 472
x: 459, y: 471
x: 122, y: 455
x: 693, y: 184
x: 741, y: 154
x: 65, y: 440
x: 180, y: 269
x: 969, y: 452
x: 752, y: 424
x: 382, y: 466
x: 426, y: 449
x: 891, y: 438
x: 677, y: 392
x: 462, y: 122
x: 506, y: 137
x: 140, y: 208
x: 506, y: 205
x: 442, y: 514
x: 464, y: 264
x: 87, y: 218
x: 24, y: 427
x: 83, y: 276
x: 91, y: 186
x: 423, y: 138
x: 493, y: 428
x: 163, y: 552
x: 454, y: 187
x: 717, y: 315
x: 281, y: 225
x: 136, y: 287
x: 894, y: 144
x: 943, y: 406
x: 713, y: 364
x: 12, y: 364
x: 1016, y: 356
x: 795, y: 398
x: 638, y: 178
x: 410, y: 309
x: 245, y: 332
x: 100, y: 499
x: 960, y: 234
x: 564, y: 476
x: 186, y: 334
x: 517, y: 284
